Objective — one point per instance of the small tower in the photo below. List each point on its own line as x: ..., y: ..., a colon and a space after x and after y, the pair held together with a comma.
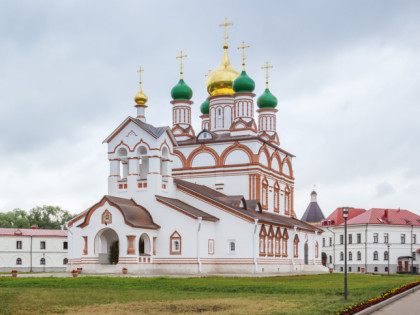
x: 267, y: 103
x: 205, y: 119
x: 181, y: 112
x: 243, y: 113
x: 313, y: 213
x: 141, y: 99
x: 219, y: 86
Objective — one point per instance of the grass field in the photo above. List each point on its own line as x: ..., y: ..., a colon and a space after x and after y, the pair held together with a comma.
x: 312, y: 294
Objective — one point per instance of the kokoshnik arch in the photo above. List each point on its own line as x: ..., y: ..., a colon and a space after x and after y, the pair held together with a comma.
x: 219, y: 201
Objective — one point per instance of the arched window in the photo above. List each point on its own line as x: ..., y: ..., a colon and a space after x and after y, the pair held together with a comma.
x: 386, y: 255
x: 264, y: 197
x: 296, y: 246
x: 219, y: 118
x: 263, y: 236
x: 284, y: 239
x: 164, y: 163
x: 276, y: 197
x: 359, y: 256
x: 316, y: 250
x: 19, y: 261
x: 175, y: 244
x: 330, y: 259
x: 144, y: 244
x: 350, y: 256
x: 42, y: 261
x: 65, y: 261
x: 277, y: 242
x: 270, y: 238
x: 232, y: 247
x: 287, y: 201
x: 122, y: 155
x: 341, y: 256
x: 375, y: 255
x: 143, y: 163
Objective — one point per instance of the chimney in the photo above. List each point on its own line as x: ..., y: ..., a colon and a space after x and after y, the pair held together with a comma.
x: 386, y: 214
x: 33, y: 227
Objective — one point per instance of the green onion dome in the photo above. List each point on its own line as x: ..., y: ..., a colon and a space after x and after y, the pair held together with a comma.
x: 181, y: 91
x: 267, y: 100
x: 205, y: 107
x: 243, y: 83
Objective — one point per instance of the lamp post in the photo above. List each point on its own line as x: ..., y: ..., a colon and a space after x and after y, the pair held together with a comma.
x: 345, y: 216
x: 389, y: 256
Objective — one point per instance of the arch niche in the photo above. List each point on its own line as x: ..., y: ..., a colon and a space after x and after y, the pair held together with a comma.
x: 144, y: 245
x: 107, y: 246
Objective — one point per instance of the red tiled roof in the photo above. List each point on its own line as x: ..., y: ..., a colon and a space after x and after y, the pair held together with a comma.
x: 386, y: 216
x: 336, y: 217
x: 32, y: 232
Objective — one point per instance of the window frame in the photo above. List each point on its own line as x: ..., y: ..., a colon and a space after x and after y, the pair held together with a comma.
x: 173, y: 239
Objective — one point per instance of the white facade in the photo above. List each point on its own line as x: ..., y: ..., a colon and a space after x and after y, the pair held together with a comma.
x: 367, y: 249
x: 33, y: 250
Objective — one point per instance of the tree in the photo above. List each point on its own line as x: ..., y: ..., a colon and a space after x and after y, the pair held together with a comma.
x: 49, y: 217
x: 45, y: 217
x: 15, y: 219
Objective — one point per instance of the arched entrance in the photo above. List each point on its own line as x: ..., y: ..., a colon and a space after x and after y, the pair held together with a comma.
x: 305, y: 250
x: 324, y: 259
x: 107, y: 247
x: 144, y: 245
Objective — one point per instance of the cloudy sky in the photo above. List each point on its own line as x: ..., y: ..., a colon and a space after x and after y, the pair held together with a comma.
x: 346, y: 74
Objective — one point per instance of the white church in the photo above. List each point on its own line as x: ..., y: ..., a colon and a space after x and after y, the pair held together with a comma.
x: 219, y: 200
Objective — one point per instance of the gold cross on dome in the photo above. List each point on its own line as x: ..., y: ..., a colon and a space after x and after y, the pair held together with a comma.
x: 180, y: 57
x: 314, y: 187
x: 243, y: 54
x: 207, y: 74
x: 140, y: 71
x: 225, y: 25
x: 267, y: 66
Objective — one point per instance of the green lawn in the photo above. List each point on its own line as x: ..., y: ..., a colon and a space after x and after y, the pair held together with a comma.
x: 312, y: 294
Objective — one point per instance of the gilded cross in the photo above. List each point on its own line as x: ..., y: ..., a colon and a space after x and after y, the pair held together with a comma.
x: 267, y: 66
x: 140, y: 71
x: 225, y: 25
x: 180, y: 57
x: 207, y: 74
x: 243, y: 54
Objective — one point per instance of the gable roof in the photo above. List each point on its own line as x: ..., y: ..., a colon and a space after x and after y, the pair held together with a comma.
x: 155, y: 132
x: 186, y: 208
x: 248, y: 211
x: 313, y: 213
x: 336, y: 218
x: 134, y: 214
x: 32, y: 232
x: 386, y: 217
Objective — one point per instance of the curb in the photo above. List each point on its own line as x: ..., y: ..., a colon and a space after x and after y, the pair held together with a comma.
x: 382, y: 304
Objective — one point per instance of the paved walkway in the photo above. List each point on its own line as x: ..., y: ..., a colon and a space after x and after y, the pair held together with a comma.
x: 409, y: 304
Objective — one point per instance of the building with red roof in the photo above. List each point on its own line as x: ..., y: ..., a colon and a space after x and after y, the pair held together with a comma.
x: 378, y: 240
x: 33, y: 249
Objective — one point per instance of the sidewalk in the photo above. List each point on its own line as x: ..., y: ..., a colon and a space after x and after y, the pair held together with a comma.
x: 407, y: 305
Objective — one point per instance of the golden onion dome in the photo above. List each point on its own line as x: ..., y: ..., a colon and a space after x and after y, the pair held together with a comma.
x: 220, y: 81
x: 140, y: 98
